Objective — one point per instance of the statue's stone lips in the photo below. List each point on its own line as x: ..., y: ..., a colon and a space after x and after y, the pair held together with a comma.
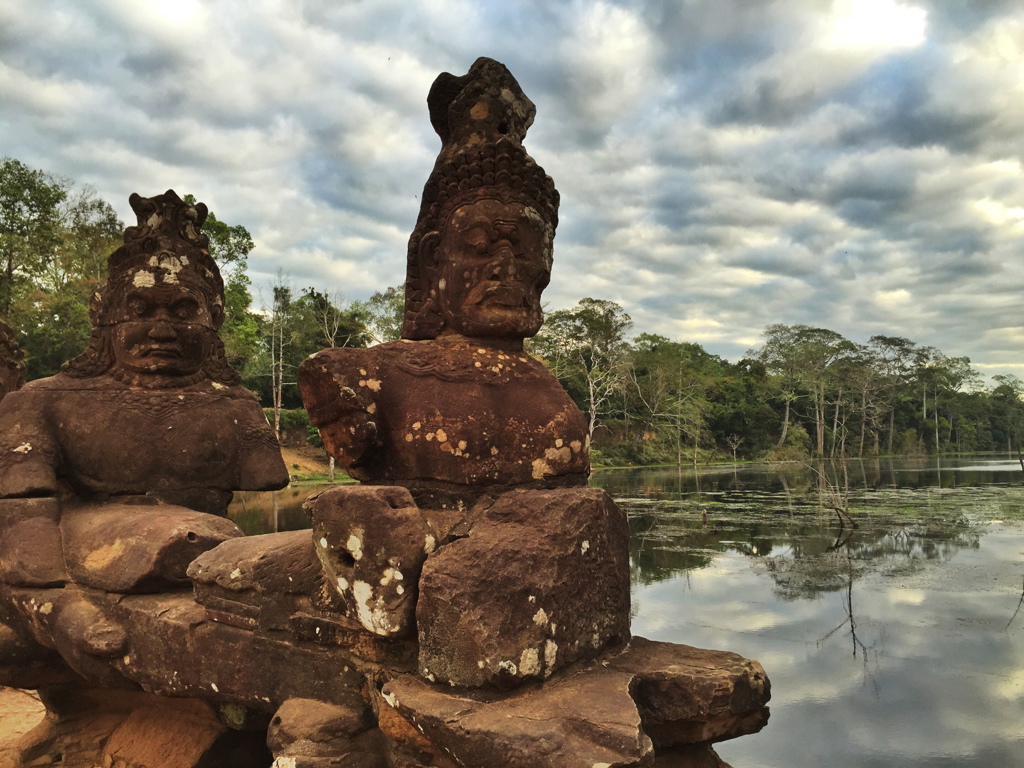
x: 161, y: 350
x: 514, y: 296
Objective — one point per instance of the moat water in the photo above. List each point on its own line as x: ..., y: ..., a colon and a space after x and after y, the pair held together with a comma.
x: 896, y: 643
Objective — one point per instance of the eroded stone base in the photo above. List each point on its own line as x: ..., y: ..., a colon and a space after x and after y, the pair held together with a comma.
x: 91, y: 727
x: 651, y: 704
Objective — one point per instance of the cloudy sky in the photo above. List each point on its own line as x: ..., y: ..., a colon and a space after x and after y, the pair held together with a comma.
x: 723, y: 164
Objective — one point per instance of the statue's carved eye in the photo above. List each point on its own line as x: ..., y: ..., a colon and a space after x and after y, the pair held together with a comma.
x: 137, y: 308
x: 185, y: 310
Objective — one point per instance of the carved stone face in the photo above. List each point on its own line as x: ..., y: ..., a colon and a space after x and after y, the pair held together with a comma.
x: 494, y: 260
x: 165, y: 330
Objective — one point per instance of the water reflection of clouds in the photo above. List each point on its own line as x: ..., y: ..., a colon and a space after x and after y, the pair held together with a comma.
x: 896, y: 654
x: 904, y: 596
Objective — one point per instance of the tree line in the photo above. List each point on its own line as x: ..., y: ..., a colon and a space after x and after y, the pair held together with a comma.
x: 802, y: 392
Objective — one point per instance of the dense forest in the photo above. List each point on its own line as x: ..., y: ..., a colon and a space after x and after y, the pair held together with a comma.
x: 802, y: 392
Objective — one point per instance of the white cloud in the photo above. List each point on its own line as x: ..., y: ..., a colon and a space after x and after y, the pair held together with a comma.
x: 724, y: 165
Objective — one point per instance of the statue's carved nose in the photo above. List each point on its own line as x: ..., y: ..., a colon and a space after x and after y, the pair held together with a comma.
x: 162, y: 331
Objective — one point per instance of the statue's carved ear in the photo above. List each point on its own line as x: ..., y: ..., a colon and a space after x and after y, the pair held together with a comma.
x: 217, y: 316
x: 429, y: 260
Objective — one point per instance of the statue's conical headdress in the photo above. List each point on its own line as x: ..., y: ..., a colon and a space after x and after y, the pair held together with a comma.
x: 482, y: 119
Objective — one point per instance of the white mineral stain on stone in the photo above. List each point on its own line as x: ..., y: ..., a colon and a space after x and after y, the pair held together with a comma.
x: 494, y: 450
x: 23, y: 448
x: 390, y: 574
x: 540, y: 618
x: 442, y: 284
x: 400, y: 589
x: 284, y: 762
x: 354, y: 545
x: 558, y: 454
x: 342, y: 583
x: 218, y: 385
x: 46, y: 609
x: 215, y: 688
x: 362, y: 371
x: 429, y: 544
x: 481, y: 664
x: 323, y: 542
x: 584, y: 547
x: 462, y: 445
x: 408, y: 437
x: 143, y: 279
x: 371, y: 408
x: 601, y: 765
x: 373, y: 385
x: 532, y: 598
x: 236, y: 573
x: 509, y: 666
x: 550, y: 654
x: 391, y: 699
x: 558, y: 443
x: 442, y: 436
x: 127, y: 660
x: 540, y: 469
x: 371, y: 615
x: 576, y: 445
x: 417, y: 425
x: 529, y: 662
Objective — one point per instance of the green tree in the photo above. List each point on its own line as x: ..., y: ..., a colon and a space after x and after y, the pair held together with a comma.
x: 805, y: 362
x: 587, y: 350
x: 893, y: 359
x: 1007, y: 412
x: 326, y: 321
x: 56, y: 257
x: 668, y: 387
x: 29, y: 226
x: 383, y: 314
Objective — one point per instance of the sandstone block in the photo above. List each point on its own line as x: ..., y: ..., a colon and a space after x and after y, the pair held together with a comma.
x: 371, y: 542
x: 137, y: 548
x: 541, y: 581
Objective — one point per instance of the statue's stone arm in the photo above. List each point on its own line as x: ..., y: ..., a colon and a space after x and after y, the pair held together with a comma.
x: 28, y: 450
x: 338, y: 388
x: 260, y: 466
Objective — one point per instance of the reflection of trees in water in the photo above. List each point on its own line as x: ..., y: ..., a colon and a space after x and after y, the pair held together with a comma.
x: 802, y: 548
x: 258, y: 512
x: 849, y: 622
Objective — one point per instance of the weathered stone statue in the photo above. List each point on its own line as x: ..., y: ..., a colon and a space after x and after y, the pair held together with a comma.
x: 109, y: 470
x: 458, y: 415
x: 457, y: 408
x: 151, y: 408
